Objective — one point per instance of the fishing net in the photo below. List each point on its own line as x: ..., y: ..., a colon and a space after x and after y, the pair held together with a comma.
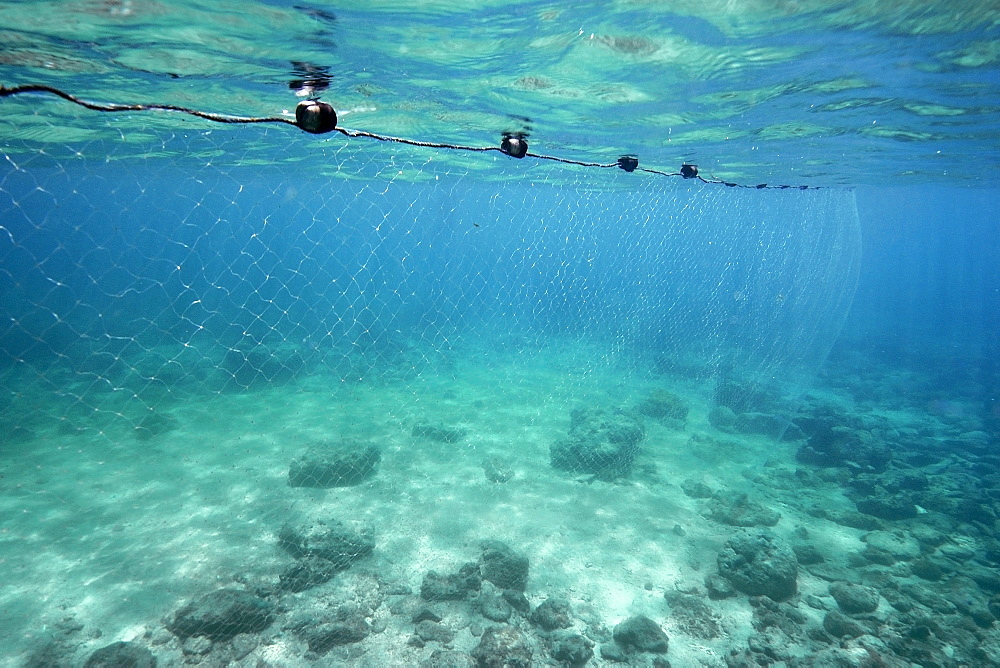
x: 242, y: 365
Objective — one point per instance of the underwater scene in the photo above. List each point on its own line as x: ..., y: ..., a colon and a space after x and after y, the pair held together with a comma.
x: 499, y: 334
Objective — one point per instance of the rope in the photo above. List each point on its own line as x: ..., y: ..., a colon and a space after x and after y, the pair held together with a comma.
x: 318, y: 117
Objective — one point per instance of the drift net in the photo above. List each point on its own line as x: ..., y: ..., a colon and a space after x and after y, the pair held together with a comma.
x: 265, y: 396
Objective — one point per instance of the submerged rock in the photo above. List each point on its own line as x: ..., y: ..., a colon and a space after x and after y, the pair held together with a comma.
x: 835, y: 437
x: 503, y: 647
x: 518, y: 601
x: 330, y: 540
x: 887, y: 507
x: 309, y: 572
x: 759, y: 563
x: 611, y: 651
x: 553, y: 613
x: 331, y: 464
x: 221, y: 615
x: 121, y: 655
x: 503, y: 566
x: 665, y: 406
x: 572, y: 649
x: 850, y: 518
x: 736, y: 509
x: 780, y: 617
x: 642, y: 634
x: 744, y: 395
x: 840, y: 625
x: 429, y: 631
x: 325, y: 635
x: 768, y: 424
x: 927, y: 569
x: 719, y: 587
x: 840, y: 446
x: 897, y: 546
x: 808, y: 554
x: 853, y: 598
x: 604, y: 443
x: 454, y: 587
x: 492, y: 605
x: 723, y: 418
x: 697, y: 489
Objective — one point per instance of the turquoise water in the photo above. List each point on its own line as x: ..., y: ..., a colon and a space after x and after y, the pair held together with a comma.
x: 831, y: 93
x: 278, y: 399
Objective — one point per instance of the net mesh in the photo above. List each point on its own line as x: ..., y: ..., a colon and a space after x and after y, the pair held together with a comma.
x: 305, y: 388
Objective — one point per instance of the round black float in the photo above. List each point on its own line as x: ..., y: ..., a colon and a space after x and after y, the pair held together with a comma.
x: 315, y: 116
x: 515, y: 147
x: 628, y: 162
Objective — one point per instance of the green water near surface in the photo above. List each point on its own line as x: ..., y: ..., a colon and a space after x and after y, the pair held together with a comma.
x: 812, y: 92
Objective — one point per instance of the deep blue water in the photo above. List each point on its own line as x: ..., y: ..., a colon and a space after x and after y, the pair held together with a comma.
x: 930, y: 276
x: 233, y: 258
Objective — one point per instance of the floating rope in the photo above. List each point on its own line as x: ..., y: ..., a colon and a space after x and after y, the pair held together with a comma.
x: 316, y: 117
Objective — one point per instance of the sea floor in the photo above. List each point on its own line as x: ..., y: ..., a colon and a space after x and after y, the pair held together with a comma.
x: 107, y: 535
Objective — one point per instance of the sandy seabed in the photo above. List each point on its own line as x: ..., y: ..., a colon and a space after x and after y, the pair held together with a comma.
x: 105, y: 537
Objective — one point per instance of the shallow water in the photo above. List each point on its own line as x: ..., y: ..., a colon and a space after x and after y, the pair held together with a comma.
x: 625, y: 378
x: 782, y: 92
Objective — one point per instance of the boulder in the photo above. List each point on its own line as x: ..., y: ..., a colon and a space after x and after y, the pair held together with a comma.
x: 503, y: 566
x: 759, y: 563
x: 306, y: 573
x: 853, y: 598
x: 334, y: 464
x: 492, y: 605
x: 454, y: 587
x: 642, y: 634
x: 572, y: 649
x: 221, y: 615
x: 553, y: 613
x: 604, y: 443
x: 894, y: 546
x: 887, y: 507
x: 503, y: 647
x: 121, y: 655
x: 330, y: 540
x: 665, y: 406
x: 327, y: 634
x: 840, y: 625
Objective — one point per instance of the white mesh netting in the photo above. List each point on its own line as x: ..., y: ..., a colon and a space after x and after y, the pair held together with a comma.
x: 258, y: 403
